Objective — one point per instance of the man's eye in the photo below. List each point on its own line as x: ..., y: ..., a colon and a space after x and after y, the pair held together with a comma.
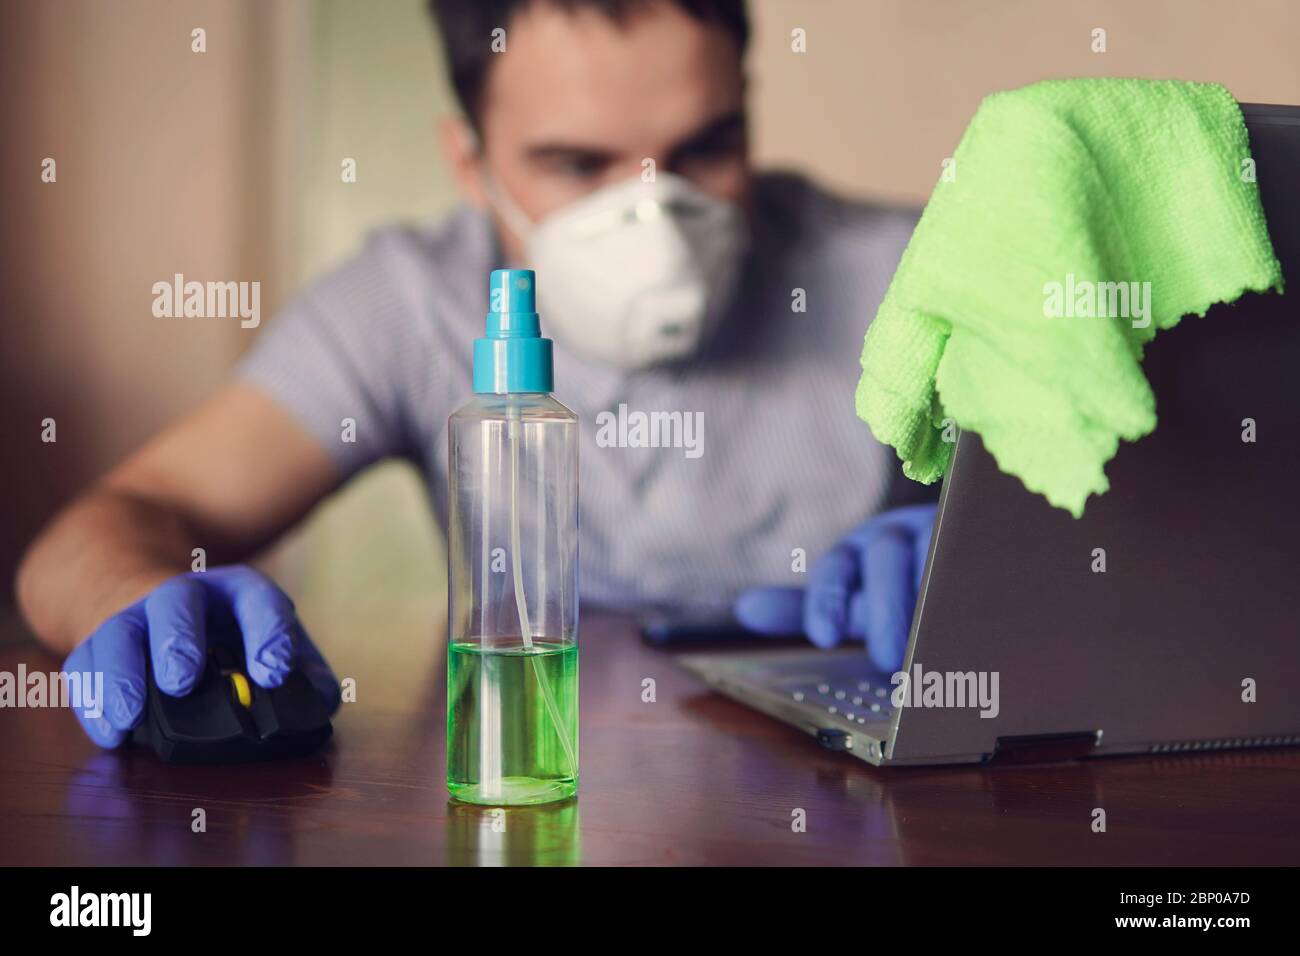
x: 723, y: 147
x: 582, y: 167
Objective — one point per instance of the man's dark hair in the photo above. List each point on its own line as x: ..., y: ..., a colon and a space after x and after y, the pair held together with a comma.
x: 466, y: 28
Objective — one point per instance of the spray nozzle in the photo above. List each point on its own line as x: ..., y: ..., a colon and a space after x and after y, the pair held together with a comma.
x: 512, y: 304
x: 512, y: 356
x: 513, y: 291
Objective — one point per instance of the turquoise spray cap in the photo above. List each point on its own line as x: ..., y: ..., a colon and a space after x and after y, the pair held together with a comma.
x: 513, y: 356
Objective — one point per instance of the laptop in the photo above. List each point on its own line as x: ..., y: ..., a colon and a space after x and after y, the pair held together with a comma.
x: 1023, y: 649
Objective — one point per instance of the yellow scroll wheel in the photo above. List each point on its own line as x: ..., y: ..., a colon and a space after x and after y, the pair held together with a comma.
x: 243, y: 692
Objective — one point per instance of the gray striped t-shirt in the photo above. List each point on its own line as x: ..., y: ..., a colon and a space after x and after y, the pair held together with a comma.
x: 783, y: 462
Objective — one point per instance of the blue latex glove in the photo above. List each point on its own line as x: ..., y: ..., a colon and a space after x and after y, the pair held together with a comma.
x: 864, y: 587
x: 174, y: 624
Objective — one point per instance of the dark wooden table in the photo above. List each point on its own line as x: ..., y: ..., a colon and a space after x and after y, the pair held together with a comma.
x: 689, y: 779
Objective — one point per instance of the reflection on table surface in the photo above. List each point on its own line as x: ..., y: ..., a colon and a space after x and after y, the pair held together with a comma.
x: 691, y: 778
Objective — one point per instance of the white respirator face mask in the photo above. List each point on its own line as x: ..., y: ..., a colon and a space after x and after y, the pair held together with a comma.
x: 635, y: 273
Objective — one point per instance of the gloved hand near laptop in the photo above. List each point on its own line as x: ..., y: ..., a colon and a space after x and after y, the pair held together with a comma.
x: 863, y: 588
x: 174, y: 624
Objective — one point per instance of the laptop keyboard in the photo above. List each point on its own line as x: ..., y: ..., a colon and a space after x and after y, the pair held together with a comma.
x: 857, y: 701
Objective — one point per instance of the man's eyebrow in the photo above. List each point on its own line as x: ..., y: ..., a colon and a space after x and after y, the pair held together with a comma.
x: 567, y: 151
x: 724, y: 125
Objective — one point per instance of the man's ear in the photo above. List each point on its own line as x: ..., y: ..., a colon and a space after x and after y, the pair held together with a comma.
x: 460, y: 147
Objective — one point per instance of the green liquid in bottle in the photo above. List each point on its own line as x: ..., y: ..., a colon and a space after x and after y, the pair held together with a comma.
x: 508, y: 742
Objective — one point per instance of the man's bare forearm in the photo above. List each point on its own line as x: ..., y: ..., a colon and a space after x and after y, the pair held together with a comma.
x: 99, y: 555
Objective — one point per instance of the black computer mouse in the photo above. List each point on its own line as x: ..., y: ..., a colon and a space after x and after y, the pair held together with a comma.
x: 227, y: 718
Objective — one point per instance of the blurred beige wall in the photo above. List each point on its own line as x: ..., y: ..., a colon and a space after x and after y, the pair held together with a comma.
x: 167, y: 161
x: 886, y: 87
x: 225, y: 165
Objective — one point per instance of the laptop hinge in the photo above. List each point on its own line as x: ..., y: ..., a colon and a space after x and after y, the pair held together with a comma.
x: 1045, y: 748
x: 833, y: 739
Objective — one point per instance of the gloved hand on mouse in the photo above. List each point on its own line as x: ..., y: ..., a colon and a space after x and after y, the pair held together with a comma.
x: 863, y: 588
x: 174, y: 623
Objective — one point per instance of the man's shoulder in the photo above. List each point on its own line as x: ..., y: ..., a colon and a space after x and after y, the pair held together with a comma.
x: 842, y: 252
x: 440, y: 257
x: 411, y: 270
x: 798, y: 206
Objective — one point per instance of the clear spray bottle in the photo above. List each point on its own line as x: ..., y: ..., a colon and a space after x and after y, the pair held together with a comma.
x: 512, y: 668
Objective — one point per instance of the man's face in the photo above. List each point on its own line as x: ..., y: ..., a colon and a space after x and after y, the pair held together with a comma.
x: 579, y: 101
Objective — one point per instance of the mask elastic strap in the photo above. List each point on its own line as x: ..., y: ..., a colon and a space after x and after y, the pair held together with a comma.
x: 506, y: 207
x: 498, y: 199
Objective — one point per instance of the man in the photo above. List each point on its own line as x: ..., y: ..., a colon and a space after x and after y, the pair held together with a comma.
x: 705, y: 289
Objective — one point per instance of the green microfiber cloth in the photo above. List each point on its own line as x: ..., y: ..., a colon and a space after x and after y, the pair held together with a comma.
x: 1057, y: 188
